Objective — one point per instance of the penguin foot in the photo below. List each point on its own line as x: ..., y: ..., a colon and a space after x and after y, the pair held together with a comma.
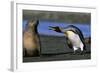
x: 76, y: 52
x: 72, y: 53
x: 83, y: 53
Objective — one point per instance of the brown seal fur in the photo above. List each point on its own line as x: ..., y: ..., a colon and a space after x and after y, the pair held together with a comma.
x: 31, y: 42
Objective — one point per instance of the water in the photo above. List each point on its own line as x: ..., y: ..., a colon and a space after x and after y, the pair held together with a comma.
x: 43, y: 28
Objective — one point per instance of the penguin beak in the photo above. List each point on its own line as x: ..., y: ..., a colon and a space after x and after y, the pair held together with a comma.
x: 51, y: 28
x: 57, y: 29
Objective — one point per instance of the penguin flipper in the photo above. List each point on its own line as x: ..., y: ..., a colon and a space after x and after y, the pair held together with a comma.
x: 69, y: 43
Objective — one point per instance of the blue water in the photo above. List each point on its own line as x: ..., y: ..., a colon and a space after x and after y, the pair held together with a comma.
x: 43, y: 28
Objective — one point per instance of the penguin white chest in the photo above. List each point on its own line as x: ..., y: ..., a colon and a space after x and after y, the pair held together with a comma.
x: 74, y: 38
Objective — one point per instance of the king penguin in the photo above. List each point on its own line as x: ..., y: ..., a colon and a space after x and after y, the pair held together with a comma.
x: 74, y: 36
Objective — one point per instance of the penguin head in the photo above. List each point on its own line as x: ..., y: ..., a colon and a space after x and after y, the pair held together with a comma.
x: 56, y: 28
